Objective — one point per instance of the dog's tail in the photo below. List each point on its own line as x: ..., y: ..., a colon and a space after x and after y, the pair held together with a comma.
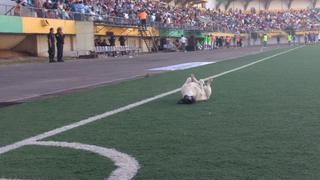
x: 187, y: 100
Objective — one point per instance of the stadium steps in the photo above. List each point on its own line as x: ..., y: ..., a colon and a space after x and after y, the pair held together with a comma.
x: 149, y: 39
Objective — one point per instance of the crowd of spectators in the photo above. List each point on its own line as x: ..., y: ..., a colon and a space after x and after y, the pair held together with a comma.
x: 126, y: 12
x: 238, y: 21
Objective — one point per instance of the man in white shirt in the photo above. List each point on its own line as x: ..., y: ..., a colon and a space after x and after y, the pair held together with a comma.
x: 183, y: 43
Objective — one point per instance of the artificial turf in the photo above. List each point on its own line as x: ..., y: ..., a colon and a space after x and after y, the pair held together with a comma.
x: 262, y: 122
x: 29, y: 119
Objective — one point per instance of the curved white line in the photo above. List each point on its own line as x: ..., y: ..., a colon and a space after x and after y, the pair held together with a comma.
x: 35, y: 139
x: 127, y: 165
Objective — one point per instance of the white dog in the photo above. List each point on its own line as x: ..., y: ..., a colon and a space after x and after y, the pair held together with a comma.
x: 194, y: 90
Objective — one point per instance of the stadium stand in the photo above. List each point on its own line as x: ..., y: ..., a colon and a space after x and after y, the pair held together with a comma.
x: 122, y: 18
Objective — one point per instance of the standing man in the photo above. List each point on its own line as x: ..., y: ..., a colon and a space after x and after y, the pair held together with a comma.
x: 278, y: 40
x: 183, y: 42
x: 112, y: 42
x: 208, y: 42
x: 192, y: 43
x: 122, y: 41
x: 306, y: 39
x: 228, y: 41
x: 51, y: 45
x: 289, y: 39
x: 143, y: 18
x: 212, y: 41
x: 60, y: 42
x: 265, y: 40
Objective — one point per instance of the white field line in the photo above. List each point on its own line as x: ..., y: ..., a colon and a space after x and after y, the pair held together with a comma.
x: 127, y: 165
x: 108, y: 82
x: 53, y: 132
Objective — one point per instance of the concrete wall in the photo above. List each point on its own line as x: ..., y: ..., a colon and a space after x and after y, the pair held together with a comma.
x: 41, y: 26
x: 84, y: 36
x: 278, y: 5
x: 299, y: 4
x: 9, y: 41
x: 42, y: 45
x: 37, y: 45
x: 28, y: 45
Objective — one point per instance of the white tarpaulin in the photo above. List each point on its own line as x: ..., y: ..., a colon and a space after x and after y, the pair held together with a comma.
x: 181, y: 66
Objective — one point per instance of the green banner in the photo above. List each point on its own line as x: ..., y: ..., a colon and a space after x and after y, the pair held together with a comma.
x: 10, y: 24
x: 171, y: 33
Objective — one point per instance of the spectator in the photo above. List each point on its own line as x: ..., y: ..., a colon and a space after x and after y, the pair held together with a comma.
x: 228, y: 41
x: 97, y: 42
x: 183, y: 43
x: 265, y: 40
x: 18, y: 8
x: 104, y: 43
x: 61, y: 10
x: 143, y: 18
x: 306, y: 39
x: 192, y: 18
x: 49, y: 9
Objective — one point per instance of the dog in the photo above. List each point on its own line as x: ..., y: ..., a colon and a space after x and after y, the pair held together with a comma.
x: 194, y: 90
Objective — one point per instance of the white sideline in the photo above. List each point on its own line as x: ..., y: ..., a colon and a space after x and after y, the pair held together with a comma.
x: 127, y: 165
x: 56, y: 131
x: 34, y: 139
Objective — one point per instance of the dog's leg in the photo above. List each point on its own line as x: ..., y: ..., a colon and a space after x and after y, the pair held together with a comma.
x: 189, y: 80
x: 194, y: 79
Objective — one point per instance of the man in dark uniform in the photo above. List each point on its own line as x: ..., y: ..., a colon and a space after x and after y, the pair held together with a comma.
x: 112, y: 42
x: 60, y: 42
x: 51, y: 45
x: 122, y: 41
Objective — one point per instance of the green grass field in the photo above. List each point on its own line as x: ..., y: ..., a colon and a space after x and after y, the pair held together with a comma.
x: 262, y: 122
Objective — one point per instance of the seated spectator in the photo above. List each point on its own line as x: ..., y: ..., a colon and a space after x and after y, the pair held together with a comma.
x: 61, y: 11
x: 129, y: 12
x: 18, y: 8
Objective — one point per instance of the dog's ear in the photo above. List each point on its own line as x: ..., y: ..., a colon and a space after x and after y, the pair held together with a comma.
x: 209, y: 82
